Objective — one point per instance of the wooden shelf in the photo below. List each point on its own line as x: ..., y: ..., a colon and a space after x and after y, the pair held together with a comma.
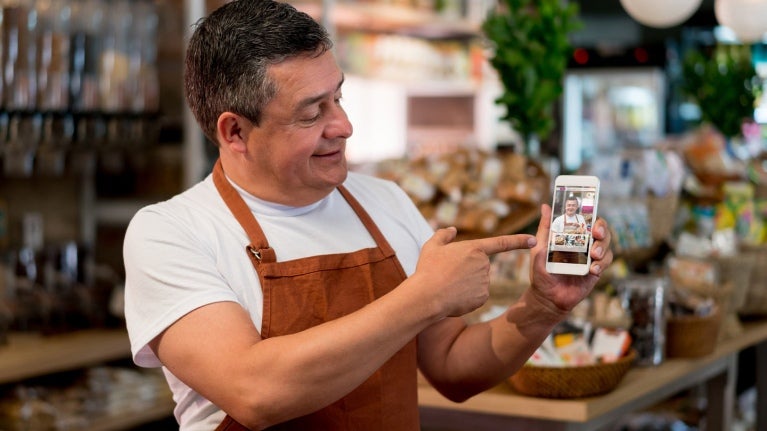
x: 118, y: 211
x: 154, y: 412
x: 641, y: 388
x: 372, y: 17
x: 32, y: 355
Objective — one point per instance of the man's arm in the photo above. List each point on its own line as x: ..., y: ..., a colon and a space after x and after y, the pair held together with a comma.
x: 217, y: 351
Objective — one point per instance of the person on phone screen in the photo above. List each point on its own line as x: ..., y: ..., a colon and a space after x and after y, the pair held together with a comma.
x: 283, y: 290
x: 571, y: 222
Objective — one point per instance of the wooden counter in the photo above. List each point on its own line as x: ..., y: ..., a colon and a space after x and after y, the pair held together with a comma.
x: 642, y: 387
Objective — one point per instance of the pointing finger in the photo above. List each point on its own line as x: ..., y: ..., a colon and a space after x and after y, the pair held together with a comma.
x: 498, y: 244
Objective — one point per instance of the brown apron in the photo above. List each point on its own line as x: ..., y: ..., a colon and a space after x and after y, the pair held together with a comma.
x: 302, y: 293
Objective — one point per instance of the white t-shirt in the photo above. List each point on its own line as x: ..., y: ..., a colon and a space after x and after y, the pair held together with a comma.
x: 189, y: 251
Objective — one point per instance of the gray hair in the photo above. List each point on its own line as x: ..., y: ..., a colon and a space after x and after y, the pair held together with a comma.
x: 228, y: 56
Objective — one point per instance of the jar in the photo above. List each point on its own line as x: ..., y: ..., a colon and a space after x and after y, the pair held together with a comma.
x: 644, y: 299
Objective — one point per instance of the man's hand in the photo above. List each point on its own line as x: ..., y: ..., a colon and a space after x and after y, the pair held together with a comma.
x: 560, y: 293
x: 459, y: 272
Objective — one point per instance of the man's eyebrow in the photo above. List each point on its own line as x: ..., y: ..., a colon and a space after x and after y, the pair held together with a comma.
x: 316, y: 99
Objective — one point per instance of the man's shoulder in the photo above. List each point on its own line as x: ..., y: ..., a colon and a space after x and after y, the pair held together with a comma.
x: 199, y: 198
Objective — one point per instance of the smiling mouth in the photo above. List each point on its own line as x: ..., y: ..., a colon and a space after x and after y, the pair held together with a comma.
x: 327, y: 154
x: 331, y: 153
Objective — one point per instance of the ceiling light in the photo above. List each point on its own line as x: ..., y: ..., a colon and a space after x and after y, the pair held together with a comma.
x: 661, y: 13
x: 747, y: 18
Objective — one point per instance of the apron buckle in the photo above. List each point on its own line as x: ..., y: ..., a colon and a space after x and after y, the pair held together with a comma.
x: 254, y: 252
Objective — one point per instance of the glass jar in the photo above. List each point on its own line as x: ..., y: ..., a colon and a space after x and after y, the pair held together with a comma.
x: 644, y: 298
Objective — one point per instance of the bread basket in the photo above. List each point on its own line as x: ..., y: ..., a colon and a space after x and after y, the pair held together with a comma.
x: 572, y: 381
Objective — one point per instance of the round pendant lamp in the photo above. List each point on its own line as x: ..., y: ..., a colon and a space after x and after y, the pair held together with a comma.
x: 747, y: 18
x: 661, y: 13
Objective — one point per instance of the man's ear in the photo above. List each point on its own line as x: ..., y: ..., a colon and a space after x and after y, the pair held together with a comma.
x: 233, y: 131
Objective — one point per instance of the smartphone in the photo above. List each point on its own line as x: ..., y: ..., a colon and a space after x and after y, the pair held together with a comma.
x: 573, y: 213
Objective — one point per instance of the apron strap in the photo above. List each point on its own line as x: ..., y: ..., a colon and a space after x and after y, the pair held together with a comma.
x: 367, y: 221
x: 259, y: 247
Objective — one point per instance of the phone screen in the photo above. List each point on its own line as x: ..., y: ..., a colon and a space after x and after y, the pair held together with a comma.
x: 573, y: 215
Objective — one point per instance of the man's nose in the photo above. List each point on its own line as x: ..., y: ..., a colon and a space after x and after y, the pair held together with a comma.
x: 339, y: 126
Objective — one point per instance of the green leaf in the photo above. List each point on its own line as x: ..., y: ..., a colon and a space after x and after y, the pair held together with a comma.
x: 721, y: 83
x: 531, y: 49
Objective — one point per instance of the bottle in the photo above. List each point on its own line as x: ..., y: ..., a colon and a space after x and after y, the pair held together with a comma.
x: 3, y: 50
x: 31, y: 304
x: 55, y: 143
x: 53, y: 46
x: 87, y: 28
x: 20, y: 22
x: 24, y: 130
x: 6, y: 281
x: 3, y: 225
x: 115, y: 67
x: 143, y: 57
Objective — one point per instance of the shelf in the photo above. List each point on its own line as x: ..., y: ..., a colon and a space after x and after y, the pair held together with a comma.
x: 161, y: 409
x: 117, y: 211
x: 374, y: 17
x: 32, y: 355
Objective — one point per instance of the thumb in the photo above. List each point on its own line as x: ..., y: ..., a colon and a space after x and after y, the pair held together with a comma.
x: 444, y: 236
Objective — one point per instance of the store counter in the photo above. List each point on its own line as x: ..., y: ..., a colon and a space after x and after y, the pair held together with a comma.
x: 642, y: 387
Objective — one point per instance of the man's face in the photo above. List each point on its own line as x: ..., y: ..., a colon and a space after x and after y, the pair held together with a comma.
x: 571, y: 206
x: 298, y: 150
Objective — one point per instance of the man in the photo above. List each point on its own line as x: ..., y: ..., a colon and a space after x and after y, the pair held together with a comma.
x: 567, y: 231
x: 283, y: 291
x: 570, y: 222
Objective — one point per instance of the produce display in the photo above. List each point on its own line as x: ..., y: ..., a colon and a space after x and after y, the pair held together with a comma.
x: 478, y: 192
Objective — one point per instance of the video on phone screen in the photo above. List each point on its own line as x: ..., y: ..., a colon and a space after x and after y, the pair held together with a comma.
x: 573, y: 216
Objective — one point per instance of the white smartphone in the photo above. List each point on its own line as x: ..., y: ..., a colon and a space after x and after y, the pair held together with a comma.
x: 573, y: 213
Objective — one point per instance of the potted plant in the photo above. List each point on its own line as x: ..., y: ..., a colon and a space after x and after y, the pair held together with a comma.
x: 723, y: 82
x: 531, y: 50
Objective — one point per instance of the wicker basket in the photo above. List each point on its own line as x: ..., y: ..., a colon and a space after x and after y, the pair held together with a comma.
x: 571, y: 382
x: 755, y: 301
x: 662, y: 214
x: 724, y: 295
x: 692, y: 336
x: 737, y: 270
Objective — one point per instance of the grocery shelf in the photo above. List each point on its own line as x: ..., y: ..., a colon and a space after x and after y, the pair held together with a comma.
x: 118, y: 211
x: 33, y: 355
x: 392, y: 18
x: 159, y: 410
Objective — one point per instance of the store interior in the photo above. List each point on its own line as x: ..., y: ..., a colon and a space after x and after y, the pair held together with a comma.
x: 93, y: 127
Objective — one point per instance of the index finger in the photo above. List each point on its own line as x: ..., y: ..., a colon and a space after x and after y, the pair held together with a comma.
x: 501, y: 243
